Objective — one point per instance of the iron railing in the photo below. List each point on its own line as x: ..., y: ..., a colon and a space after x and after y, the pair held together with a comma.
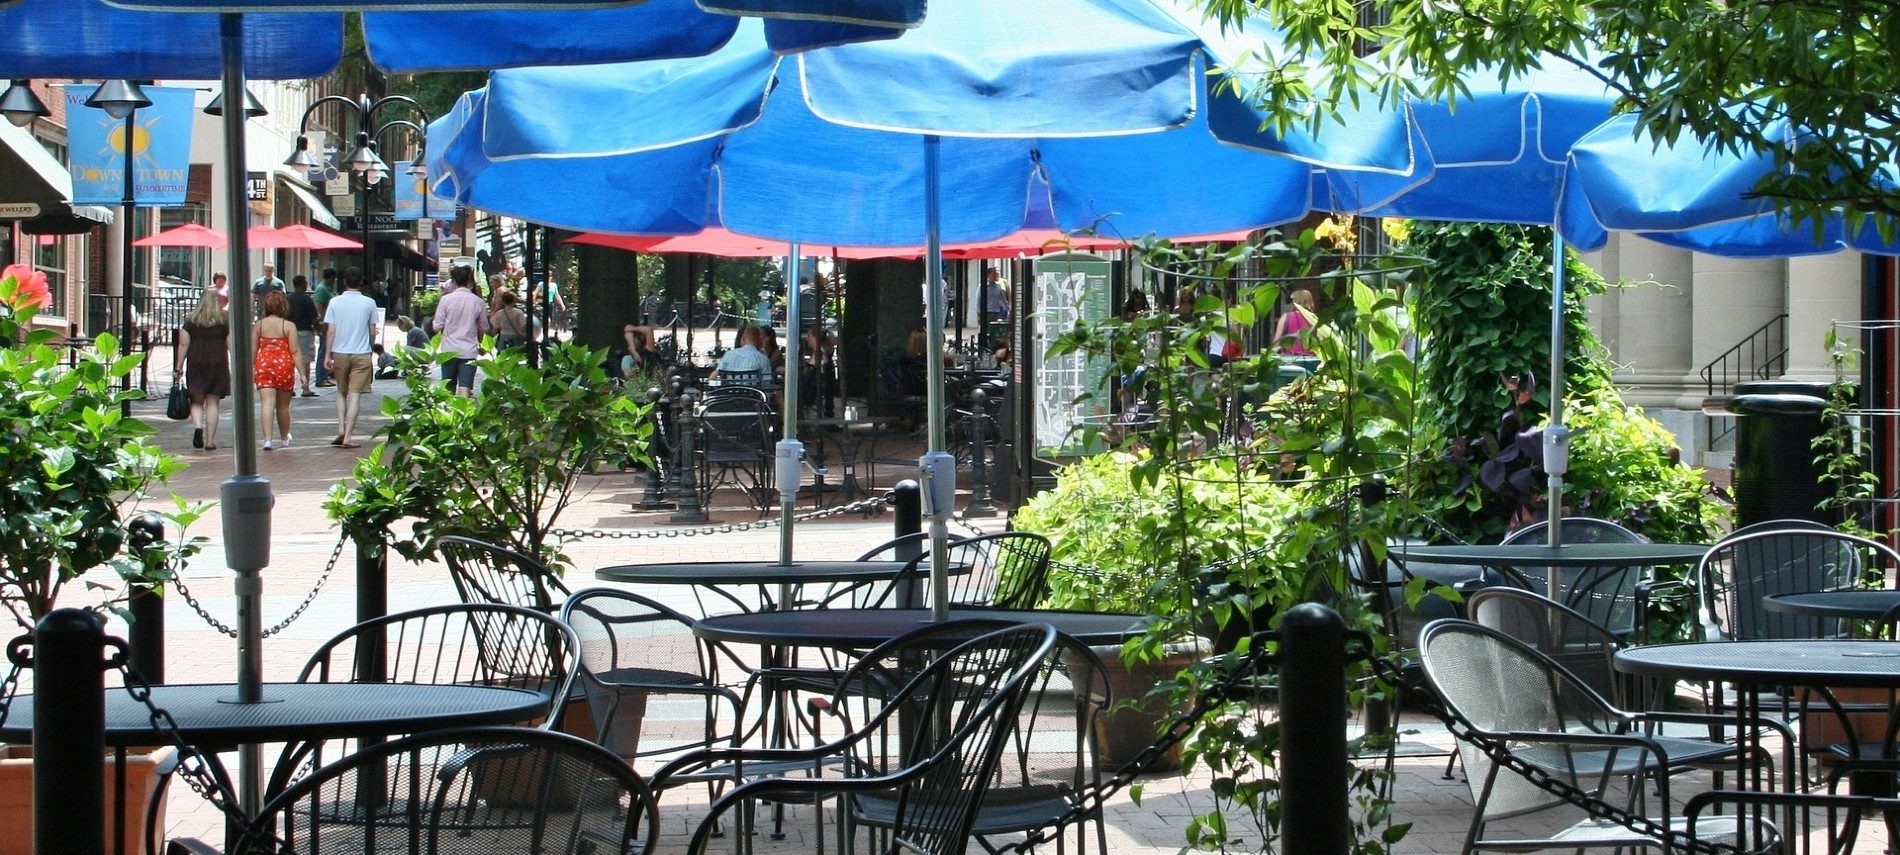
x: 1761, y: 355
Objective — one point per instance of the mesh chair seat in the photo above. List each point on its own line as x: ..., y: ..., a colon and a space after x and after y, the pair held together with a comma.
x: 1607, y: 595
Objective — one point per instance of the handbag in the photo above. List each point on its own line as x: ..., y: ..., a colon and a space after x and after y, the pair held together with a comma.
x: 178, y: 404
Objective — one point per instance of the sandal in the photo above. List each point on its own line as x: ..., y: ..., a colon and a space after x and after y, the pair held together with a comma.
x: 337, y: 441
x: 351, y: 445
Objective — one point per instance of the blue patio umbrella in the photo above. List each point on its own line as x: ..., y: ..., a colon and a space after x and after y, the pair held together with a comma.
x: 1101, y: 107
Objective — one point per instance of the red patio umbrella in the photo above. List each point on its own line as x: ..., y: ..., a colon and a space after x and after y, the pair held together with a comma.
x: 299, y: 237
x: 727, y: 244
x: 1044, y: 241
x: 190, y: 234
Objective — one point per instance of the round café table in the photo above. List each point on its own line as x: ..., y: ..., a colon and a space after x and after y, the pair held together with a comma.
x: 1857, y: 604
x: 763, y: 574
x: 209, y: 715
x: 857, y: 629
x: 1510, y: 556
x: 849, y: 435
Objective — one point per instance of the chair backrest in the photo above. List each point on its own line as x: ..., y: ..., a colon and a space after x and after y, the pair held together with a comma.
x: 753, y: 379
x: 736, y: 425
x: 938, y: 739
x: 1578, y: 644
x: 486, y: 573
x: 469, y: 644
x: 748, y: 393
x: 1008, y: 570
x: 1606, y: 595
x: 1490, y: 683
x: 1741, y: 569
x: 630, y: 642
x: 506, y: 790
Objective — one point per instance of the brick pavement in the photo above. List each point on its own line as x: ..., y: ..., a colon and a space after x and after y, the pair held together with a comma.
x: 303, y: 540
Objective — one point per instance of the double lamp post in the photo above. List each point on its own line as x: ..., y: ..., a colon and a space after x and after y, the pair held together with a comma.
x: 363, y: 159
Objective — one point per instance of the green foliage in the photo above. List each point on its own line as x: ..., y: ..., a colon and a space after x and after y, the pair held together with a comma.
x: 1732, y: 74
x: 1837, y: 450
x: 75, y: 469
x: 1207, y: 532
x: 426, y: 302
x: 499, y: 466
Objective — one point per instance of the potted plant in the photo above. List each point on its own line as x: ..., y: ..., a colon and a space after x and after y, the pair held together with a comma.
x: 75, y: 469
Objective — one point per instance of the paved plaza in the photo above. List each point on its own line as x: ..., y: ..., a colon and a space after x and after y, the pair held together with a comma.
x: 303, y: 542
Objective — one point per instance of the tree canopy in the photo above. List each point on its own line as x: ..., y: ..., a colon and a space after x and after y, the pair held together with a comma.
x: 1733, y: 75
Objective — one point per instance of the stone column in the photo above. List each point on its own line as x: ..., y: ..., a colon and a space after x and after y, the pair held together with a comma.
x: 1821, y: 290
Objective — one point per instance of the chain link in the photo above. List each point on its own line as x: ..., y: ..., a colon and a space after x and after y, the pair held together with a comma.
x: 336, y: 555
x: 864, y: 506
x: 194, y: 765
x: 11, y: 684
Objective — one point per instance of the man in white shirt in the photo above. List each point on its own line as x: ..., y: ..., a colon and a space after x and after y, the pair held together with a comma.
x: 461, y: 317
x: 351, y: 336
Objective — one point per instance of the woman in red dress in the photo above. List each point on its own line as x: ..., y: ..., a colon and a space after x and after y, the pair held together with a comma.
x: 274, y: 362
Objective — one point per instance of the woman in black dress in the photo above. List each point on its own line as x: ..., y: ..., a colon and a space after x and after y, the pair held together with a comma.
x: 204, y: 355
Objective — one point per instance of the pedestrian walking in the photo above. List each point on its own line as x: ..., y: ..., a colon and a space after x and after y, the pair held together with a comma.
x: 326, y: 290
x: 303, y: 315
x: 204, y: 357
x: 264, y: 285
x: 273, y: 366
x: 461, y: 317
x: 351, y: 337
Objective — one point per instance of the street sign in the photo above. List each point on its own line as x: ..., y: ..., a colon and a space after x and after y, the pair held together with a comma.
x: 381, y: 221
x: 19, y: 210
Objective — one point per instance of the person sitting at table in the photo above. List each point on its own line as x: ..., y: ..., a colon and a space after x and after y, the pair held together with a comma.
x: 746, y: 359
x: 768, y: 345
x: 642, y: 356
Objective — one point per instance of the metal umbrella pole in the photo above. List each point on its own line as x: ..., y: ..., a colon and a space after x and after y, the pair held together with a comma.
x: 1556, y: 437
x: 245, y: 499
x: 937, y: 468
x: 790, y: 452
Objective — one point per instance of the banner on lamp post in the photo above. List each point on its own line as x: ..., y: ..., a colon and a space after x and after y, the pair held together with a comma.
x: 160, y: 142
x: 410, y: 191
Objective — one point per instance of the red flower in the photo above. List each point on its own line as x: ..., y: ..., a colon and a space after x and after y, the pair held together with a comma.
x: 31, y: 289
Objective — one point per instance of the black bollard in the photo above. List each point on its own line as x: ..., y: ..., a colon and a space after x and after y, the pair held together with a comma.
x: 69, y: 734
x: 908, y: 499
x: 980, y: 504
x: 146, y: 634
x: 1313, y: 763
x: 689, y: 510
x: 654, y: 499
x: 372, y: 601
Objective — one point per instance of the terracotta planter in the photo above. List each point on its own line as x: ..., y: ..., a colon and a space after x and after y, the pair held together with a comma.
x: 16, y: 797
x: 1125, y: 730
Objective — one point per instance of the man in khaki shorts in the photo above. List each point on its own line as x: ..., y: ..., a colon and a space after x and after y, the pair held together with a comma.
x: 351, y: 336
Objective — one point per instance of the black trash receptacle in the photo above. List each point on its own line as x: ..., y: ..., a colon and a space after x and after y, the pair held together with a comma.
x: 1775, y: 473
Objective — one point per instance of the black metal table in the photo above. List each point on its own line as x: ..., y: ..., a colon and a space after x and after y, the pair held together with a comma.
x: 763, y: 574
x: 209, y: 715
x: 1755, y: 666
x: 862, y: 628
x: 1847, y: 605
x: 1507, y: 556
x: 849, y: 435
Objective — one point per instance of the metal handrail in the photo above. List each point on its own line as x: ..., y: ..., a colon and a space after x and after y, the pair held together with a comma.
x: 1734, y: 366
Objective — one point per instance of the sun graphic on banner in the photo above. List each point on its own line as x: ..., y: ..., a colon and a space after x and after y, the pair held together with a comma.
x: 141, y: 142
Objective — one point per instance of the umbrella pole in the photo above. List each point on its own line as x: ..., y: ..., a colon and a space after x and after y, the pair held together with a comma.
x: 1556, y: 437
x: 245, y: 499
x: 791, y: 452
x: 938, y: 469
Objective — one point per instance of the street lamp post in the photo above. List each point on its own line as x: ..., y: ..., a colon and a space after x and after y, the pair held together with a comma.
x: 372, y: 576
x: 363, y: 159
x: 121, y: 99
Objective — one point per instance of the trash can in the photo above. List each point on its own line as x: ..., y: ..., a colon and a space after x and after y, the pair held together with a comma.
x: 1775, y: 473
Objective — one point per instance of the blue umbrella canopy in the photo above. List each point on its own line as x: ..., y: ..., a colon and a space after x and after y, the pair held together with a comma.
x: 1103, y: 106
x: 1694, y: 196
x: 91, y: 38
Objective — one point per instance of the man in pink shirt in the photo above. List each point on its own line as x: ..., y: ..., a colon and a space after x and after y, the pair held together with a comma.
x: 461, y: 318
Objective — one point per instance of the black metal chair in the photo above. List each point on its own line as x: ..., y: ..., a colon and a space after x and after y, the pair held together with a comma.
x: 486, y: 573
x: 499, y: 791
x: 471, y: 644
x: 1743, y: 568
x: 632, y: 648
x: 1535, y: 737
x: 1007, y: 570
x: 735, y: 448
x: 928, y: 750
x: 1612, y: 597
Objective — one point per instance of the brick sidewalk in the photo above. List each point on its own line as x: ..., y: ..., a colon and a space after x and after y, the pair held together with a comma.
x: 303, y: 540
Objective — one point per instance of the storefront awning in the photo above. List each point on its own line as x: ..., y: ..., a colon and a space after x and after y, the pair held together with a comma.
x: 66, y: 219
x: 31, y: 179
x: 298, y: 187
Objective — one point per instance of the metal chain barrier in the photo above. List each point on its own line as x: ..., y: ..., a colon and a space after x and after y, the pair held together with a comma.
x: 194, y: 765
x: 336, y: 555
x: 11, y: 684
x: 863, y: 506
